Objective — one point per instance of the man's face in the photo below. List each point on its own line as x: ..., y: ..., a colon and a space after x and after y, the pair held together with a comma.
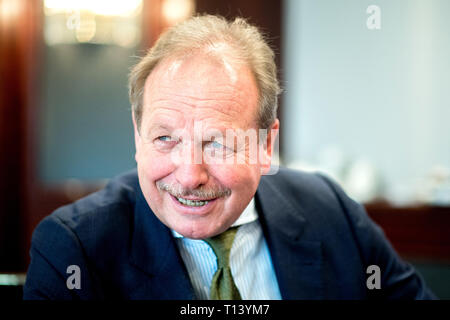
x: 195, y: 180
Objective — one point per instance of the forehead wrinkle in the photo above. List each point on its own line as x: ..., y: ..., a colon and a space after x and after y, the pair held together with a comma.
x: 202, y: 90
x: 219, y: 120
x: 196, y: 114
x: 210, y: 124
x: 224, y: 98
x: 224, y: 104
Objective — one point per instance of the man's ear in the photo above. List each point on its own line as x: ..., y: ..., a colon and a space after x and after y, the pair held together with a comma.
x: 137, y: 136
x: 269, y: 147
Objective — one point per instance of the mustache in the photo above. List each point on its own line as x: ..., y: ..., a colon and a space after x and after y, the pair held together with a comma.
x: 201, y: 192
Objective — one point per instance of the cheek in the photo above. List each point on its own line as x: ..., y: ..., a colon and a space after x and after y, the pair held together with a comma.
x: 241, y: 179
x: 152, y: 166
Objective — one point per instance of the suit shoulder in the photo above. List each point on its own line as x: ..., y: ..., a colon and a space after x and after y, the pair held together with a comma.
x: 119, y: 193
x: 97, y: 217
x: 318, y: 196
x: 296, y: 182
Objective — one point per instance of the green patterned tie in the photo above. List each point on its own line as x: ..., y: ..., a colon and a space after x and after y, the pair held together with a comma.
x: 222, y: 285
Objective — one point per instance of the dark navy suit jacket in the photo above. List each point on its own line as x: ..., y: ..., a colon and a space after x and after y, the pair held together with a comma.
x: 321, y: 243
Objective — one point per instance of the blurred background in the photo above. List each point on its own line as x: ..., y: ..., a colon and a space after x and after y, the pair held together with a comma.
x: 365, y: 101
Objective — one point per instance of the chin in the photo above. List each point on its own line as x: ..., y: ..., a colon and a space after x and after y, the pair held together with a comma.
x: 191, y: 231
x: 195, y: 234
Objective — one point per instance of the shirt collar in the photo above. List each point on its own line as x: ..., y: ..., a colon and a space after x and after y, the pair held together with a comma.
x: 248, y: 215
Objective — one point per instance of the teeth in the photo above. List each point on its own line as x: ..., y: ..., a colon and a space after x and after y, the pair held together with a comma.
x: 193, y: 203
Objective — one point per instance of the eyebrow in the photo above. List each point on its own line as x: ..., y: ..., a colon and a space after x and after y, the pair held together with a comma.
x: 159, y: 126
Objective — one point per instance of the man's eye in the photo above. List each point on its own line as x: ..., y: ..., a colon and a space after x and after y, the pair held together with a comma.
x: 165, y: 142
x: 217, y: 145
x: 214, y: 145
x: 218, y: 148
x: 164, y: 138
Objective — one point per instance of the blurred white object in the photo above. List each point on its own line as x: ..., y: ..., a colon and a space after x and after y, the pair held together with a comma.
x: 177, y: 10
x: 435, y: 189
x: 359, y: 178
x: 401, y: 194
x: 106, y: 22
x: 332, y: 161
x: 362, y: 181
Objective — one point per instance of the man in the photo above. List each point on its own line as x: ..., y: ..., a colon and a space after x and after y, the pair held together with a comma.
x: 201, y: 218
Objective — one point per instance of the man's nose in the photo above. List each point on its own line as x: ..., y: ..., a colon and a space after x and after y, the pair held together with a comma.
x: 191, y: 172
x: 191, y: 175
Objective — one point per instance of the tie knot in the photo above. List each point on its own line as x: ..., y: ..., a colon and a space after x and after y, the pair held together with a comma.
x: 221, y: 245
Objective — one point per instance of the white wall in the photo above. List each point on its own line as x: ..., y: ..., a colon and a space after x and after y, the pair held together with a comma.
x: 379, y: 94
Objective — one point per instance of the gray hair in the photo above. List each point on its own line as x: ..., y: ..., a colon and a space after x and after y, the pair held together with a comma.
x: 199, y: 33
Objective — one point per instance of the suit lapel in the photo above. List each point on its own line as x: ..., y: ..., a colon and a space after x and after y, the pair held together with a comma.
x: 297, y: 261
x: 154, y: 252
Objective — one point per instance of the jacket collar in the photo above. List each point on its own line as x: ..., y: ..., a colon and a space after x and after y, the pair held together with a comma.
x: 297, y: 260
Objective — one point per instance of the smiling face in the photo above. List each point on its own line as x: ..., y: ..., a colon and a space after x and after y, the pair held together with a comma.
x: 181, y: 148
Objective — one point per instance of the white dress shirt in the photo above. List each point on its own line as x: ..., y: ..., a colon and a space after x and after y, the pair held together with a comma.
x: 250, y: 261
